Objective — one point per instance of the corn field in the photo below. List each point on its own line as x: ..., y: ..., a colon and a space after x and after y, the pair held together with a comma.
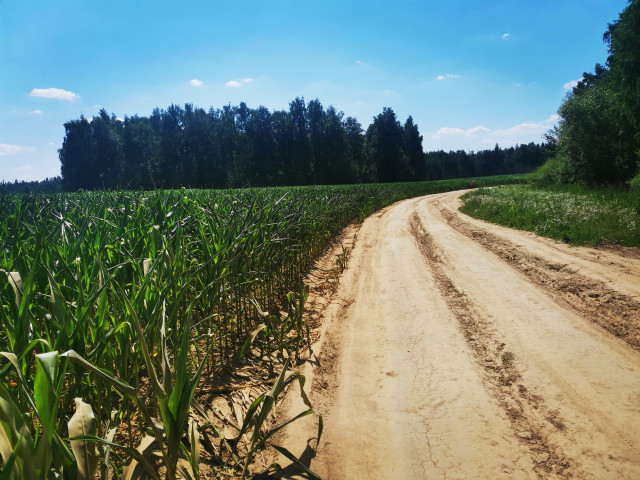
x: 115, y: 305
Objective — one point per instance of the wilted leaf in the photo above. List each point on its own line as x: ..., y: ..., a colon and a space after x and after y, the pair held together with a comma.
x: 83, y: 422
x: 144, y: 445
x: 15, y: 280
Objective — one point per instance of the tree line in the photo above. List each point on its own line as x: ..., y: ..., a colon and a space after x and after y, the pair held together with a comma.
x: 48, y: 185
x: 241, y: 146
x: 598, y: 137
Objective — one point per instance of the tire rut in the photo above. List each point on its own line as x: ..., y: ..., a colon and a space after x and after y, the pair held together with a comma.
x: 532, y: 422
x: 617, y: 313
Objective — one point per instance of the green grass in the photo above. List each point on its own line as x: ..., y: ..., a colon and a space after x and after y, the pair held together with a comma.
x: 572, y: 214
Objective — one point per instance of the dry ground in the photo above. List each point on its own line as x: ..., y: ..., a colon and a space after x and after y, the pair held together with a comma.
x: 457, y: 349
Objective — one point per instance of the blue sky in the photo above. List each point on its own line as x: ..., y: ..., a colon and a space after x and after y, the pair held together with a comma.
x: 472, y: 73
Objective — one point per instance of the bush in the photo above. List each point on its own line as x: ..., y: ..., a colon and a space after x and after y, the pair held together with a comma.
x: 555, y: 170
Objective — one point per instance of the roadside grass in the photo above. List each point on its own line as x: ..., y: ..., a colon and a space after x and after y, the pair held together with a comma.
x: 573, y: 214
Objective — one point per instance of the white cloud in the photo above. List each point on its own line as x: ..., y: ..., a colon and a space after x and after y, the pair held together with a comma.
x: 481, y: 137
x: 505, y: 36
x: 35, y: 112
x: 450, y: 131
x: 196, y: 83
x: 6, y: 149
x: 238, y: 83
x: 573, y: 83
x: 477, y: 130
x: 447, y: 76
x: 471, y: 132
x: 56, y: 93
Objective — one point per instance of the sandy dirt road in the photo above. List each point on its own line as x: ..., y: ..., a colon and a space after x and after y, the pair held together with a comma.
x: 456, y: 349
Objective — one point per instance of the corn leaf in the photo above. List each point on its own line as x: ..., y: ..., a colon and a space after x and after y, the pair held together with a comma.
x: 83, y: 422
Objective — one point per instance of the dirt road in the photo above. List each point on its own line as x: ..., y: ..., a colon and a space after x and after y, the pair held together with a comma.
x: 456, y: 349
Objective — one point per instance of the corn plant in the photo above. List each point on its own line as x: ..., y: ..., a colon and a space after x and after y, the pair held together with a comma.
x: 139, y: 292
x: 260, y: 410
x: 30, y: 448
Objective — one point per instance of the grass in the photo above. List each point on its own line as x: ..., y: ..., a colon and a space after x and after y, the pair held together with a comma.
x: 572, y: 214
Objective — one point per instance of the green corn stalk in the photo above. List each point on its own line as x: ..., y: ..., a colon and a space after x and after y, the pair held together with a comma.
x: 31, y: 457
x: 260, y: 409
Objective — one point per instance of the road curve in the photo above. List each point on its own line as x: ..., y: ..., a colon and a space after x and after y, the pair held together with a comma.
x: 456, y: 349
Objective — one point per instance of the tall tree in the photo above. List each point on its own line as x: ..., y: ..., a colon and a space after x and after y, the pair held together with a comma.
x: 599, y: 134
x: 299, y: 167
x: 107, y: 134
x: 141, y: 148
x: 384, y: 147
x: 413, y: 150
x: 77, y: 164
x: 259, y: 131
x: 355, y: 149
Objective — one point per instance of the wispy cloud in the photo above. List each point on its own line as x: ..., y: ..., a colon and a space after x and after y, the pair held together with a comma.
x: 447, y: 76
x: 56, y: 93
x: 6, y: 149
x: 480, y: 137
x: 471, y: 132
x: 35, y: 112
x: 196, y: 83
x: 505, y: 36
x: 238, y: 83
x: 572, y: 84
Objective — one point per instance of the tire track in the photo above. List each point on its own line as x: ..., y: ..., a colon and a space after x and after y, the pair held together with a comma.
x: 531, y: 420
x: 438, y: 359
x: 617, y: 313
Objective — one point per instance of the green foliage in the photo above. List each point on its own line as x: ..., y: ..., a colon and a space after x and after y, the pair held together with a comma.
x: 520, y: 159
x: 634, y: 183
x: 555, y: 171
x: 412, y: 149
x: 599, y: 135
x: 228, y: 147
x: 573, y: 214
x: 240, y: 146
x: 384, y: 148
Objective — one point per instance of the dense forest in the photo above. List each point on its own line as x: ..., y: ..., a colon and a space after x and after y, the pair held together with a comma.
x: 48, y: 185
x: 240, y: 146
x: 598, y: 138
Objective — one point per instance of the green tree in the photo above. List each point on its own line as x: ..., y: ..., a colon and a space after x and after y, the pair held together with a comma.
x: 141, y: 148
x: 77, y: 164
x: 413, y: 150
x: 384, y: 147
x: 107, y: 133
x: 259, y: 131
x: 298, y: 171
x: 355, y: 150
x: 599, y: 132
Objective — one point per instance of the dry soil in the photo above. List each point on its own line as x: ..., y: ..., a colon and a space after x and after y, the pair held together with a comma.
x: 457, y: 349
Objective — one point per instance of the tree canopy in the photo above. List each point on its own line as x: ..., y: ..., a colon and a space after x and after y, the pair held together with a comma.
x: 598, y: 140
x: 241, y: 146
